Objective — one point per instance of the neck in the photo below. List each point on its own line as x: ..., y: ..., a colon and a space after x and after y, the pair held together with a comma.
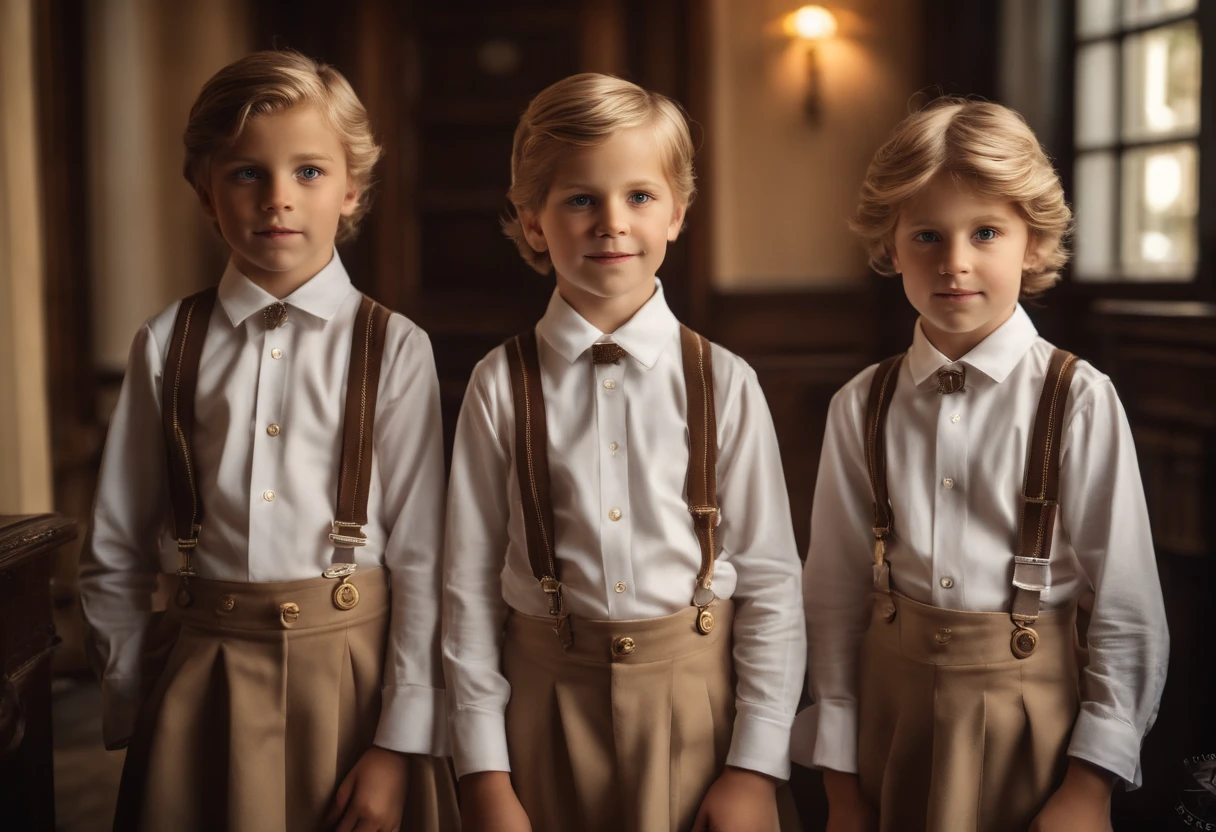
x: 607, y: 314
x: 281, y: 284
x: 954, y: 345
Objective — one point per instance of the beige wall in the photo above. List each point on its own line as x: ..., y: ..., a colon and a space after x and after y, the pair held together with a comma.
x: 25, y: 463
x: 147, y: 60
x: 782, y: 188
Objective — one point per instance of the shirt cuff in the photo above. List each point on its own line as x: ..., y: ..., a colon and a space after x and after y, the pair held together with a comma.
x: 413, y: 720
x: 825, y: 736
x: 760, y: 744
x: 1108, y: 743
x: 119, y: 709
x: 479, y: 741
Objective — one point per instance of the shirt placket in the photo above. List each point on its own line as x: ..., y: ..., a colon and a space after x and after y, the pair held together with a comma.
x: 616, y: 521
x: 267, y: 485
x: 950, y: 502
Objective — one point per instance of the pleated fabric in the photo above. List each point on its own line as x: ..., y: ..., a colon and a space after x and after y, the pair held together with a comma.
x: 254, y: 720
x: 955, y: 733
x: 601, y: 741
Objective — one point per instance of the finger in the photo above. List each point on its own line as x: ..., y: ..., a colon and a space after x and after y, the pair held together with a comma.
x: 350, y: 820
x: 341, y: 798
x: 701, y: 824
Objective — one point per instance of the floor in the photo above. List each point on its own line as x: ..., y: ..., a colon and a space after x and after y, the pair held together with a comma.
x: 86, y: 775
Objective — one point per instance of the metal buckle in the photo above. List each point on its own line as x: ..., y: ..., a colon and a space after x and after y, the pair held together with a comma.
x: 553, y: 588
x: 348, y: 535
x: 880, y: 551
x: 711, y: 514
x: 1023, y: 642
x: 339, y: 570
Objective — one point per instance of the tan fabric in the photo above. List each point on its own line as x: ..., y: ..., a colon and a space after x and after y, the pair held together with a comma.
x: 955, y: 733
x: 600, y: 741
x: 252, y: 725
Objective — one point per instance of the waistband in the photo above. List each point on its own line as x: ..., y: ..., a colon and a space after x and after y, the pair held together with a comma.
x: 933, y: 635
x: 287, y: 605
x: 632, y: 642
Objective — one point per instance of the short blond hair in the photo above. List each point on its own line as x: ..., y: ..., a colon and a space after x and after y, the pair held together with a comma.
x: 272, y: 81
x: 583, y: 111
x: 985, y: 145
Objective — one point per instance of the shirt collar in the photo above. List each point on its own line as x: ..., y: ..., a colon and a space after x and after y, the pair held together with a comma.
x: 320, y: 296
x: 995, y: 356
x: 644, y: 336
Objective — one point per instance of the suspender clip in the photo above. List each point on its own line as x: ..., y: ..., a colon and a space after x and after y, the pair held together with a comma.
x: 553, y: 588
x: 880, y: 551
x: 348, y: 535
x: 710, y: 515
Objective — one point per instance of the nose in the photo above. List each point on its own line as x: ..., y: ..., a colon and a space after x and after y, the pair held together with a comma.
x: 612, y: 221
x: 278, y: 195
x: 955, y: 258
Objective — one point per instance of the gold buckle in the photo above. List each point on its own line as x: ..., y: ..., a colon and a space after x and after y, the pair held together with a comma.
x: 709, y: 513
x: 553, y: 588
x: 880, y: 551
x: 1023, y: 642
x: 348, y: 535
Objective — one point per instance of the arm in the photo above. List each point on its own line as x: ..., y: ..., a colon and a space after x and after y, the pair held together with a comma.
x: 409, y: 454
x: 120, y: 558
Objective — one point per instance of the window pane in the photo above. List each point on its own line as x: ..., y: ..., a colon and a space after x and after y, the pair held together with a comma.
x: 1094, y: 240
x: 1161, y: 82
x: 1097, y: 75
x: 1160, y: 206
x: 1097, y: 17
x: 1138, y: 12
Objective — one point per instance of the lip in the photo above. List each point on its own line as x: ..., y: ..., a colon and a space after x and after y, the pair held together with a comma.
x: 610, y: 258
x: 957, y: 295
x: 276, y: 233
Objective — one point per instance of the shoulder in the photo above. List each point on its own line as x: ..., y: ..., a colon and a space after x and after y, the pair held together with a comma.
x: 405, y: 340
x: 1089, y: 385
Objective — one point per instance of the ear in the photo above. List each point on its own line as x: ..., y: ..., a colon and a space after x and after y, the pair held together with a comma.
x: 529, y: 221
x: 205, y: 200
x: 1036, y: 253
x: 677, y: 223
x: 350, y: 200
x: 890, y: 249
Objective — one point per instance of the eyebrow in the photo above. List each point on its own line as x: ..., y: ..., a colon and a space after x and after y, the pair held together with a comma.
x: 303, y: 157
x: 985, y: 219
x: 637, y: 184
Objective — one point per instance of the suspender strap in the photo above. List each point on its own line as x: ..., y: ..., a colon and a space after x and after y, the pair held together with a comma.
x: 358, y: 423
x: 532, y: 470
x: 882, y: 390
x: 178, y: 384
x: 1041, y: 490
x: 702, y: 454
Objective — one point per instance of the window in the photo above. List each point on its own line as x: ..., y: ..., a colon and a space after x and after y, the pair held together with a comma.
x: 1136, y: 140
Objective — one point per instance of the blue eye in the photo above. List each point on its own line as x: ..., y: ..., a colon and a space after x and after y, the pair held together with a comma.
x: 580, y: 201
x: 640, y: 198
x: 986, y: 235
x: 245, y: 174
x: 925, y: 236
x: 310, y: 173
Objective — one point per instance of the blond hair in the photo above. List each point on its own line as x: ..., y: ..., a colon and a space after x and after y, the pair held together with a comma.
x: 583, y: 111
x: 273, y: 81
x: 984, y: 144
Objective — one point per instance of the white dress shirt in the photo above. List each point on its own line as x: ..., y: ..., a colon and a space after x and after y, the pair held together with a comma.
x: 269, y: 500
x: 955, y: 465
x: 618, y: 442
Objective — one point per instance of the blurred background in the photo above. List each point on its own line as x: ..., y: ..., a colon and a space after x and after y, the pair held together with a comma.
x: 98, y: 231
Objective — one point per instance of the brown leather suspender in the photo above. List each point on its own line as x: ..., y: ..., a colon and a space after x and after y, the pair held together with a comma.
x: 177, y: 408
x: 1040, y: 492
x: 532, y: 469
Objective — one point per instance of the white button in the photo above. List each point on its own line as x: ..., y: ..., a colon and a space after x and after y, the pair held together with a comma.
x: 947, y: 582
x: 614, y: 515
x: 273, y: 430
x: 620, y: 586
x: 276, y: 353
x: 612, y: 446
x: 955, y: 417
x: 609, y: 384
x: 949, y: 483
x: 268, y: 495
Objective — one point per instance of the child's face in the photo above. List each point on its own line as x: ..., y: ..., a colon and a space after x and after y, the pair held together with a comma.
x: 961, y: 255
x: 608, y: 217
x: 277, y: 194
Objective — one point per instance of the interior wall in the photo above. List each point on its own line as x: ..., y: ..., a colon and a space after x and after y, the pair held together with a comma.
x: 783, y: 188
x: 150, y: 242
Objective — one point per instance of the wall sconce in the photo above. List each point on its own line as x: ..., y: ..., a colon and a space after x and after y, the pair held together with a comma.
x: 811, y: 24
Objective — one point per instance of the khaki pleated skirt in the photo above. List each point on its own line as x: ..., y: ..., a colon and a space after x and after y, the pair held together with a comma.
x: 602, y: 739
x: 255, y: 718
x: 955, y: 733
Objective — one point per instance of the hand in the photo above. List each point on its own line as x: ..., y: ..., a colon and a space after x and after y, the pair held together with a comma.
x: 739, y: 801
x: 489, y: 804
x: 847, y: 809
x: 372, y: 797
x: 1081, y: 804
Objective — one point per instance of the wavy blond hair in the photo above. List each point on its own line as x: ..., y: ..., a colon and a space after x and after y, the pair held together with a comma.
x: 272, y: 81
x: 984, y: 144
x: 583, y: 111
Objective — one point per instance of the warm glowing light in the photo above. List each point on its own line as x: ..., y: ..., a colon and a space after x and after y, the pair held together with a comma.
x: 810, y: 23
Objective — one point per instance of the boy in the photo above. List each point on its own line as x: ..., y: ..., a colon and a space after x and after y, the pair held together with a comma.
x: 592, y: 586
x: 941, y: 619
x: 250, y: 417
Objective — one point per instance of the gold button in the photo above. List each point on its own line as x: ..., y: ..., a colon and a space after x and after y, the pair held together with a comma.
x: 955, y: 417
x: 609, y: 384
x: 942, y: 636
x: 612, y: 446
x: 289, y: 613
x: 620, y: 586
x: 268, y: 495
x: 273, y: 430
x: 227, y: 603
x: 614, y: 515
x: 948, y: 482
x: 623, y: 646
x: 276, y: 353
x: 947, y: 582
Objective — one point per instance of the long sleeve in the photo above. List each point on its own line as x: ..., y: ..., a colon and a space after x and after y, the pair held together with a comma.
x: 119, y: 560
x: 1105, y: 518
x: 474, y: 609
x: 757, y: 532
x: 409, y: 455
x: 837, y: 585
